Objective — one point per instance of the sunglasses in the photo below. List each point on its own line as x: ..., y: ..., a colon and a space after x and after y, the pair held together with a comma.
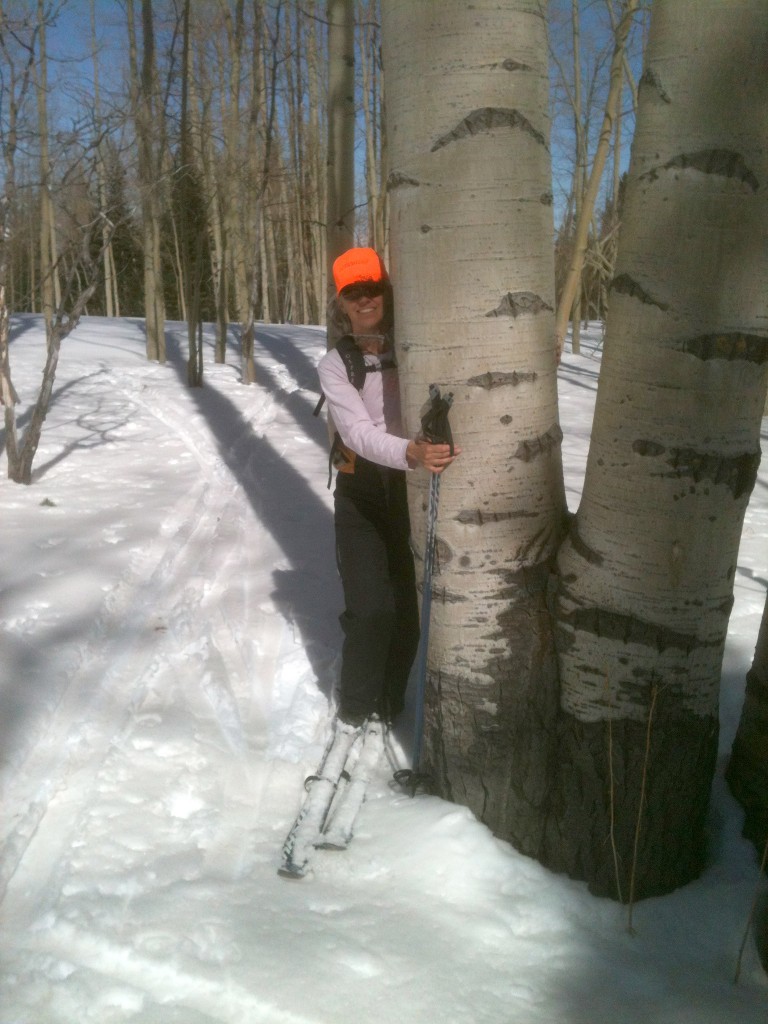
x: 364, y: 290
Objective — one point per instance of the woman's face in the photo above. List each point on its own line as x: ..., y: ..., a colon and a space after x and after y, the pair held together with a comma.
x: 364, y: 307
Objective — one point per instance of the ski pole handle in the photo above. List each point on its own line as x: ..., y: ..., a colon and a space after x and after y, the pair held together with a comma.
x: 435, y: 427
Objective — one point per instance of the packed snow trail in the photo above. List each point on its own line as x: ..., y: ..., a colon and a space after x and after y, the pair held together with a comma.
x: 170, y: 641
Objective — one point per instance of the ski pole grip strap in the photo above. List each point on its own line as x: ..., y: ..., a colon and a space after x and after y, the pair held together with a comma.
x: 435, y: 427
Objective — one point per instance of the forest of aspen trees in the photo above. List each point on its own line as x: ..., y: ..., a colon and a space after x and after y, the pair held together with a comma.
x: 175, y: 153
x: 202, y: 160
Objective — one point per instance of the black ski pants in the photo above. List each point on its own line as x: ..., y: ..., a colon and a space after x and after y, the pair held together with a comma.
x: 381, y: 617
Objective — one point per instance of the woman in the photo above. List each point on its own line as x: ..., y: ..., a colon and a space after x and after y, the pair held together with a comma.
x: 380, y: 621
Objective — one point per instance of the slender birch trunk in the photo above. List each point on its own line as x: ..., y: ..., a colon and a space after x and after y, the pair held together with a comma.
x: 48, y: 268
x: 572, y: 284
x: 146, y: 117
x: 110, y: 286
x: 340, y: 212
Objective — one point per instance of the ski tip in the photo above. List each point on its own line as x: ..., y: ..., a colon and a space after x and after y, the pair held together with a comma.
x: 291, y: 871
x: 413, y: 782
x: 332, y: 844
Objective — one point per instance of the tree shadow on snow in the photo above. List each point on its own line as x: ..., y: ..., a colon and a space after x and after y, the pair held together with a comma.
x: 307, y: 592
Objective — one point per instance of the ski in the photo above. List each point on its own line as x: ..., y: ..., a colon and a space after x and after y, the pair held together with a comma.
x: 338, y: 833
x: 321, y: 789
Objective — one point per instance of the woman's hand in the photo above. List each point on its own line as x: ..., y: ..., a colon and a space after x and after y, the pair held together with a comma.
x: 432, y: 457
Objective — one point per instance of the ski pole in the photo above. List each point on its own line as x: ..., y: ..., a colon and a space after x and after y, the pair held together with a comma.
x: 435, y: 429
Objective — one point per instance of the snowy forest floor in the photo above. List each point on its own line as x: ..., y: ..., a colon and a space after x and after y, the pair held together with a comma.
x: 169, y: 648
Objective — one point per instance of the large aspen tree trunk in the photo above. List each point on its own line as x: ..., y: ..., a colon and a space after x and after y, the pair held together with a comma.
x: 471, y: 263
x: 646, y: 577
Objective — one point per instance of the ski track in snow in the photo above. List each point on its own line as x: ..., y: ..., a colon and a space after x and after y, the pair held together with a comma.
x: 177, y: 710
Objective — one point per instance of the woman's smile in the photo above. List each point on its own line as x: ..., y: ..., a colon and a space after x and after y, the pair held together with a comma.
x: 365, y: 314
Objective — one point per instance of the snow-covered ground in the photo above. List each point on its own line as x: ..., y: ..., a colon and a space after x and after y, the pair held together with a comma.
x: 169, y: 644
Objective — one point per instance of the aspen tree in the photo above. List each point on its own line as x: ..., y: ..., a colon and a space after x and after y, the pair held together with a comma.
x: 471, y: 263
x: 646, y: 574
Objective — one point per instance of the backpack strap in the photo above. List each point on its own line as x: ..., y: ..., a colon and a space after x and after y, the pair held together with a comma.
x: 354, y: 364
x: 357, y: 370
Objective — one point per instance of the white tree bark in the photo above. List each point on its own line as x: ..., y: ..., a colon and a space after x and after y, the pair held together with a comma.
x: 646, y: 579
x: 471, y: 262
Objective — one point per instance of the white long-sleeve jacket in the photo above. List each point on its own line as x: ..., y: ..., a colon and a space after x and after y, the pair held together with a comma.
x: 369, y: 422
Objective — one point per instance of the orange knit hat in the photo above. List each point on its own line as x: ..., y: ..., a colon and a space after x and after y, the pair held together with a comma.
x: 356, y: 265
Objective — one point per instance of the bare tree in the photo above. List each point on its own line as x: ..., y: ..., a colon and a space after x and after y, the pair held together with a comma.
x: 191, y: 240
x: 111, y: 294
x: 49, y: 285
x: 586, y: 208
x: 340, y: 215
x: 16, y: 79
x: 148, y: 118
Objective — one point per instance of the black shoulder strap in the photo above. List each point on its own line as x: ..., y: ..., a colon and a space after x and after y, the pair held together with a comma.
x: 353, y: 360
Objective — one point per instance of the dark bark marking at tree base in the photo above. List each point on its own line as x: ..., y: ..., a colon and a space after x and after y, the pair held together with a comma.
x: 515, y: 304
x: 484, y: 746
x: 752, y: 348
x: 582, y: 549
x: 724, y: 163
x: 485, y: 119
x: 595, y: 802
x: 624, y: 284
x: 628, y: 629
x: 737, y: 472
x: 523, y: 583
x: 747, y: 771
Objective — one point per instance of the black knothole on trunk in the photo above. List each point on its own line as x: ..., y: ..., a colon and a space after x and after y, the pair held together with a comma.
x: 623, y: 284
x: 751, y: 348
x: 724, y: 163
x: 397, y: 180
x: 541, y: 445
x: 514, y: 65
x: 475, y: 517
x: 485, y: 119
x: 653, y: 79
x: 515, y: 304
x: 645, y: 447
x: 627, y: 629
x: 738, y: 472
x: 497, y: 379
